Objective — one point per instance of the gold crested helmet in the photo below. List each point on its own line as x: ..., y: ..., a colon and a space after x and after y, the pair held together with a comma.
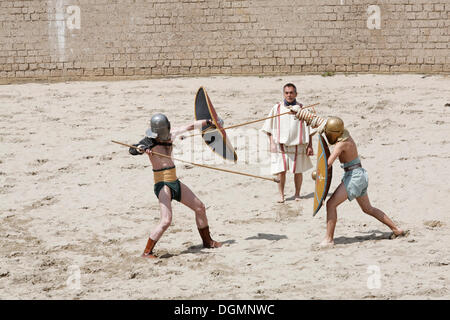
x: 335, y: 130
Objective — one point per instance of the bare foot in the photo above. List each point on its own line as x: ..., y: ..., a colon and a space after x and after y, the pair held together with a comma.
x: 297, y: 197
x: 281, y: 200
x: 326, y: 243
x: 399, y: 233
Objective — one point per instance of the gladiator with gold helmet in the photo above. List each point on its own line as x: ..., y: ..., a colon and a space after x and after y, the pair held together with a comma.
x: 355, y: 181
x: 159, y: 138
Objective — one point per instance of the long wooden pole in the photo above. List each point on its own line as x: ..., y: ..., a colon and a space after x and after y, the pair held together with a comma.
x: 247, y: 123
x: 201, y: 165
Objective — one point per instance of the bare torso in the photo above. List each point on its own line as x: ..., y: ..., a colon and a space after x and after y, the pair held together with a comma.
x: 349, y: 151
x: 344, y: 150
x: 159, y: 162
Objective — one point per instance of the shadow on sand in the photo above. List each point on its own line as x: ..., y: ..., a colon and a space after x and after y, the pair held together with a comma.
x: 194, y: 249
x: 374, y: 235
x: 308, y: 196
x: 267, y: 236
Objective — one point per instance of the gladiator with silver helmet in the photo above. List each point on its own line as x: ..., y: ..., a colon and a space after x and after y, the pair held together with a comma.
x: 157, y: 144
x: 159, y: 127
x: 157, y: 134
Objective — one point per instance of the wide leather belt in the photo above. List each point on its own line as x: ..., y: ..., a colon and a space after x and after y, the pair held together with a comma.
x: 165, y: 175
x: 358, y: 165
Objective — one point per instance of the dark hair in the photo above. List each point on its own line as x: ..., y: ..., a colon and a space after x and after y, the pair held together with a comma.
x: 290, y: 85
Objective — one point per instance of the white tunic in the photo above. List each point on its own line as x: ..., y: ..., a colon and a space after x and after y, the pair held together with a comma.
x: 291, y: 137
x: 286, y: 129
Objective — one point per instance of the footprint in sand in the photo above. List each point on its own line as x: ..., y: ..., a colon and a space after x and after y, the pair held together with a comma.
x: 5, y: 188
x: 19, y: 140
x: 41, y: 161
x: 46, y: 201
x: 432, y: 224
x: 132, y: 167
x: 283, y: 214
x: 68, y: 168
x: 134, y: 275
x: 4, y: 273
x: 84, y: 138
x: 106, y: 158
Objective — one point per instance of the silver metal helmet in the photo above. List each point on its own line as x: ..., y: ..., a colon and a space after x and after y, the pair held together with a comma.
x: 159, y: 127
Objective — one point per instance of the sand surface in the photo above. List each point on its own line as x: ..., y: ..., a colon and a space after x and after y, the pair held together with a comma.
x: 72, y: 202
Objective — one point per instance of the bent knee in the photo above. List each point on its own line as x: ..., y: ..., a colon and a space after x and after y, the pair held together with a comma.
x: 331, y: 204
x: 200, y: 208
x: 368, y: 210
x: 165, y: 223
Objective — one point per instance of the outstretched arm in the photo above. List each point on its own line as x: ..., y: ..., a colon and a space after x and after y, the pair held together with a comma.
x: 308, y: 116
x: 197, y: 124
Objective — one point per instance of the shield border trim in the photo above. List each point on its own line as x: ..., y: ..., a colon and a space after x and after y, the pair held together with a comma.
x: 328, y: 174
x: 214, y: 116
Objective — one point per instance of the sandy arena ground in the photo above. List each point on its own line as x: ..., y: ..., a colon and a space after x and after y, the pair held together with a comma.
x: 72, y: 201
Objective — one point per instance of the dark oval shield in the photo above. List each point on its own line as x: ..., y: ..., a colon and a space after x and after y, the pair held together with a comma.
x: 323, y: 175
x: 216, y: 139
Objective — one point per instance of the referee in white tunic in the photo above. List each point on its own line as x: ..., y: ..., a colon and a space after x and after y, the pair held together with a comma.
x: 290, y: 142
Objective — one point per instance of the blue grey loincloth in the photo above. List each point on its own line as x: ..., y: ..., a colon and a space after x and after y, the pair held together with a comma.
x: 355, y: 181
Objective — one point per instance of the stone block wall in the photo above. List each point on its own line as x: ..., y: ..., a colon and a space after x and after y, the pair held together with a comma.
x: 84, y: 39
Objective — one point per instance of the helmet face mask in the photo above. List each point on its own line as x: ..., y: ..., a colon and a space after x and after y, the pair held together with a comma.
x: 334, y: 129
x: 332, y: 137
x: 159, y: 127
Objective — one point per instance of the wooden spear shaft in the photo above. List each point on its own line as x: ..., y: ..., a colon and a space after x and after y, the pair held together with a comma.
x: 247, y: 123
x: 201, y: 165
